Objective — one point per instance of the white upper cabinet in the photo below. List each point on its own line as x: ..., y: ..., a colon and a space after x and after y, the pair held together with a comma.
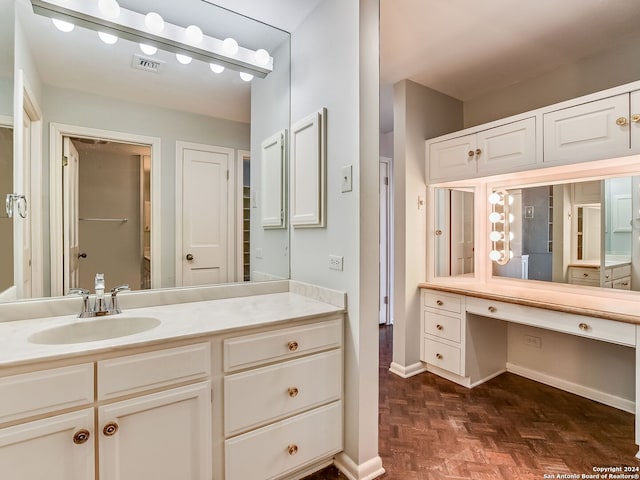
x: 501, y: 149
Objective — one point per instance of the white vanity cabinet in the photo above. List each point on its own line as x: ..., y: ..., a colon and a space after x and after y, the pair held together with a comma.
x: 501, y: 149
x: 282, y: 399
x: 605, y: 128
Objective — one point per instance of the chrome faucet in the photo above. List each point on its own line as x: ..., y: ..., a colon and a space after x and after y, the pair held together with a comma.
x: 101, y: 304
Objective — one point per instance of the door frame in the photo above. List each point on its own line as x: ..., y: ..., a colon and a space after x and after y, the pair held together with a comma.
x: 232, y: 200
x: 386, y: 239
x: 241, y: 156
x: 56, y: 132
x: 10, y: 294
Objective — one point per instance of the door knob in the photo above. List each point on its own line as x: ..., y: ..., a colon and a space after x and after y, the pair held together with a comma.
x: 189, y: 256
x: 82, y: 255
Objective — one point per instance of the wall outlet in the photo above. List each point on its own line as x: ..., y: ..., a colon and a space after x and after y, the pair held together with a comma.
x: 258, y: 253
x: 347, y: 181
x: 336, y: 262
x: 531, y: 341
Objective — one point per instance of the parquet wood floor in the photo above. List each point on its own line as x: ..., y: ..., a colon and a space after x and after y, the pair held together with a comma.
x: 509, y: 428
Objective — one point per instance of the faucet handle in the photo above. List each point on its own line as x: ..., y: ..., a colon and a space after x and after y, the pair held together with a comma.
x: 114, y: 298
x: 118, y: 289
x: 86, y: 311
x: 79, y: 291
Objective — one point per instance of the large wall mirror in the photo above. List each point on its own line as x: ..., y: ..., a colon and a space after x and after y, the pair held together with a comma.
x: 148, y: 173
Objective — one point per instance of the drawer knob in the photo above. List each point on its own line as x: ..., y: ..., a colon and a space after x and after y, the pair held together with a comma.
x: 439, y: 303
x: 292, y: 391
x: 110, y: 429
x: 585, y: 274
x: 439, y: 356
x: 81, y: 436
x: 292, y: 346
x: 439, y: 327
x: 584, y: 326
x: 492, y: 309
x: 292, y: 449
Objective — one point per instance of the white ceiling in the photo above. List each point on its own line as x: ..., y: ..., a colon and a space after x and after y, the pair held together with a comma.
x: 467, y: 48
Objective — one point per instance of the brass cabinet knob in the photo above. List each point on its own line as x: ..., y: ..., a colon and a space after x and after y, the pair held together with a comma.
x: 189, y: 256
x: 439, y: 356
x: 492, y: 309
x: 292, y: 449
x: 439, y: 327
x: 585, y: 274
x: 292, y: 391
x: 583, y: 326
x: 439, y: 303
x: 438, y: 232
x: 110, y: 429
x: 624, y: 284
x: 292, y: 346
x: 478, y: 151
x: 621, y: 121
x: 81, y: 436
x: 635, y: 118
x: 471, y: 153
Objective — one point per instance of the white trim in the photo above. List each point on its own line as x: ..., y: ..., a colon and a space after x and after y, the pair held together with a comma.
x: 239, y: 185
x: 56, y: 132
x: 231, y: 209
x: 368, y: 470
x: 571, y: 387
x: 409, y: 370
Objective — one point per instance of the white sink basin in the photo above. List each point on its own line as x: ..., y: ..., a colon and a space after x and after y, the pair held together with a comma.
x: 94, y: 329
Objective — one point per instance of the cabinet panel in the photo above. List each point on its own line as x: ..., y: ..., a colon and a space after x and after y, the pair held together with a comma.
x: 587, y: 132
x: 442, y: 301
x: 266, y: 394
x: 30, y: 394
x: 454, y: 158
x: 273, y: 451
x: 444, y: 356
x: 44, y: 449
x: 162, y: 436
x: 507, y: 148
x: 443, y: 326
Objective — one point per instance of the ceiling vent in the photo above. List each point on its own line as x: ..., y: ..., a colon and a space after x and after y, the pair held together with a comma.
x: 147, y: 64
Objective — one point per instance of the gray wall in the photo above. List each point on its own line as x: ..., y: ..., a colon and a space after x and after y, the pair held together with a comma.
x: 535, y: 233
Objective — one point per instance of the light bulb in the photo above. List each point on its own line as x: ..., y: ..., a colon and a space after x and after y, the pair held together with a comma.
x: 247, y: 77
x: 495, y: 236
x: 510, y: 254
x: 216, y: 68
x: 193, y: 35
x: 510, y: 200
x: 494, y: 198
x: 154, y: 22
x: 107, y: 38
x: 511, y: 236
x: 62, y: 25
x: 495, y: 255
x: 148, y: 49
x: 230, y: 46
x: 109, y: 8
x: 495, y: 217
x: 183, y: 59
x: 262, y: 57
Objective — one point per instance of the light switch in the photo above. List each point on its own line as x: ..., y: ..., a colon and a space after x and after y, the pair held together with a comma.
x: 347, y: 184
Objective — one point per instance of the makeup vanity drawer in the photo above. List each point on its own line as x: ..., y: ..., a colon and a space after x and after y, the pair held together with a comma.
x: 442, y: 301
x: 442, y: 326
x: 585, y: 276
x: 442, y: 355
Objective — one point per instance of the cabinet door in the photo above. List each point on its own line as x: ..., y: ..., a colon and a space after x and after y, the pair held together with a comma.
x: 507, y: 148
x: 587, y: 132
x: 162, y: 436
x: 635, y: 121
x: 46, y: 449
x: 452, y: 159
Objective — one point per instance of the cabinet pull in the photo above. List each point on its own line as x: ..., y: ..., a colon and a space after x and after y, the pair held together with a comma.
x: 439, y: 356
x: 624, y: 284
x: 621, y: 121
x: 492, y: 309
x: 110, y: 429
x: 438, y: 232
x: 439, y: 327
x: 292, y: 449
x: 81, y: 436
x: 585, y: 274
x: 292, y: 346
x: 471, y: 153
x: 439, y: 303
x: 635, y: 118
x: 583, y: 326
x: 478, y: 151
x: 292, y: 391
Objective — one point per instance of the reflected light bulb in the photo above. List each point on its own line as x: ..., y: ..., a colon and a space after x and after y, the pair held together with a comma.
x: 216, y: 68
x: 495, y: 217
x: 193, y: 35
x: 230, y: 46
x: 62, y: 25
x: 154, y: 22
x: 494, y: 198
x: 109, y: 8
x: 494, y: 255
x: 148, y: 49
x: 247, y: 77
x: 511, y: 236
x: 107, y: 38
x: 183, y: 59
x: 495, y: 236
x: 262, y: 57
x: 511, y: 218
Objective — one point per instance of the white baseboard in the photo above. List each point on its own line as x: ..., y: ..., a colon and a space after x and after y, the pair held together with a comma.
x: 409, y: 370
x: 587, y: 392
x: 365, y: 471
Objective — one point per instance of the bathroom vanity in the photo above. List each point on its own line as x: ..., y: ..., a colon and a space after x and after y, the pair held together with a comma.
x: 245, y: 384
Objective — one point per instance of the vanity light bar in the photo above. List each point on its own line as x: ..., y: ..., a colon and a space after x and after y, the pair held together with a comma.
x: 130, y: 25
x: 500, y: 215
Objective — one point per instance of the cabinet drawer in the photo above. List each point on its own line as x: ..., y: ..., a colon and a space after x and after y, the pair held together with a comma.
x: 584, y: 274
x: 443, y: 326
x: 622, y: 283
x: 281, y: 448
x: 263, y: 395
x: 147, y: 371
x: 620, y: 272
x: 442, y: 301
x: 31, y: 394
x: 443, y: 356
x: 590, y: 327
x: 261, y: 348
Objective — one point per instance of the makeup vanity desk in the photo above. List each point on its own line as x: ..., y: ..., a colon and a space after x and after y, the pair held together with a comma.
x: 464, y: 324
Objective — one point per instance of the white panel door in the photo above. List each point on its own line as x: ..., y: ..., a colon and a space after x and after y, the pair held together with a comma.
x: 507, y: 148
x: 45, y: 449
x: 70, y: 191
x: 587, y: 132
x: 207, y: 210
x: 461, y: 232
x: 452, y: 159
x: 162, y: 436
